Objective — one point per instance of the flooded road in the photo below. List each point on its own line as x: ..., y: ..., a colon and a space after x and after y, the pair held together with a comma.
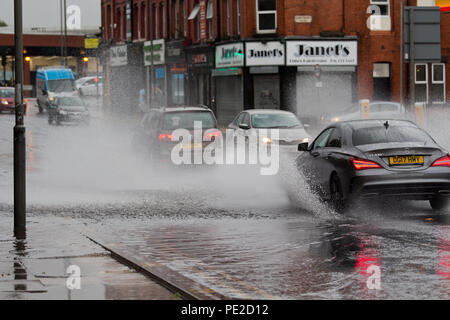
x: 228, y: 228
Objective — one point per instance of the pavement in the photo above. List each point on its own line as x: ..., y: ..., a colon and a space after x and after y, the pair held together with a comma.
x: 44, y: 266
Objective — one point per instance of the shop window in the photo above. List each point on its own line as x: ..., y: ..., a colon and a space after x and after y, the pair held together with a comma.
x: 177, y: 88
x: 380, y: 19
x: 266, y: 16
x: 421, y: 82
x: 438, y: 83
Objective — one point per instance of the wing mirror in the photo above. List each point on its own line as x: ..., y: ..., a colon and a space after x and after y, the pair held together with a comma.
x: 244, y: 126
x: 303, y: 146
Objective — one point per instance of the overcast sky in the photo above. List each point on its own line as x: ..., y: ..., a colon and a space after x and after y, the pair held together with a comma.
x: 46, y: 13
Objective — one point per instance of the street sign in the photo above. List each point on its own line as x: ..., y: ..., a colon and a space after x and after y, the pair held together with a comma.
x: 426, y: 35
x: 91, y: 43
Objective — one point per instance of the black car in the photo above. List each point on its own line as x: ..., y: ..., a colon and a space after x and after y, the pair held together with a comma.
x: 68, y: 109
x: 155, y: 132
x: 376, y: 158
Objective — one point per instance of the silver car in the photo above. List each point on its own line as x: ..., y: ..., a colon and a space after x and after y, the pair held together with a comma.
x: 259, y: 121
x: 378, y: 110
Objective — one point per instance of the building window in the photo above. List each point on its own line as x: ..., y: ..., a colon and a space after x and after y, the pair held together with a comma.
x: 380, y: 19
x: 184, y: 18
x: 238, y: 16
x: 163, y: 20
x: 177, y: 17
x: 143, y: 18
x: 421, y: 82
x: 156, y: 22
x: 209, y: 17
x: 194, y: 15
x: 266, y: 16
x: 438, y: 83
x: 380, y: 7
x: 228, y: 18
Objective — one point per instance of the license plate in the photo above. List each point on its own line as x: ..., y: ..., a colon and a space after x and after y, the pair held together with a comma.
x: 192, y: 146
x: 405, y: 160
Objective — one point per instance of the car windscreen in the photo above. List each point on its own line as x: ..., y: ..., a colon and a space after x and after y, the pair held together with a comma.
x: 186, y: 119
x: 384, y: 107
x: 393, y: 134
x: 61, y: 85
x: 6, y: 93
x: 275, y: 120
x: 70, y: 101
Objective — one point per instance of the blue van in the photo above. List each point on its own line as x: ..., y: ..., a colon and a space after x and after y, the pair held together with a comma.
x: 53, y: 81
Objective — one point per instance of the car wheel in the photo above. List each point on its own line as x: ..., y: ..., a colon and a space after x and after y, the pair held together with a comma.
x: 337, y: 200
x: 439, y: 203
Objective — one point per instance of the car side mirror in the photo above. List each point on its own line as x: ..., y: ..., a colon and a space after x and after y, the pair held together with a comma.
x: 303, y: 146
x: 244, y: 126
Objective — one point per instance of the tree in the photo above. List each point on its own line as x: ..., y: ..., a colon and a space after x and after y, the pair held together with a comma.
x: 3, y: 23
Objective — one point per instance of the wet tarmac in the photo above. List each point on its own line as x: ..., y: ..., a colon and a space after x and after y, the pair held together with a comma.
x: 229, y: 229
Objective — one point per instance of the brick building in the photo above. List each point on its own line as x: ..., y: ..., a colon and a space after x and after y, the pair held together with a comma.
x: 311, y: 57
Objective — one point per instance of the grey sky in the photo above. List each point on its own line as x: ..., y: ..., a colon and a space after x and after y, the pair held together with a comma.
x: 46, y: 13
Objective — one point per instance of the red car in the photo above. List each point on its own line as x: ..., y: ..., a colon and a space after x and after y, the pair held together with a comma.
x: 7, y: 99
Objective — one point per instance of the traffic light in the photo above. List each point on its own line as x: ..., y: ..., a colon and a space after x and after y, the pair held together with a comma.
x: 85, y: 59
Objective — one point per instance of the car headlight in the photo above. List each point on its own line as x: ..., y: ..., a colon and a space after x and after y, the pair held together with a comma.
x: 336, y: 119
x: 4, y: 102
x: 266, y: 140
x: 305, y: 140
x: 62, y: 112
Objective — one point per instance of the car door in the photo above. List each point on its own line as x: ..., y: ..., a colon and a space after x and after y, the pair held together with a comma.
x: 312, y: 162
x: 334, y: 159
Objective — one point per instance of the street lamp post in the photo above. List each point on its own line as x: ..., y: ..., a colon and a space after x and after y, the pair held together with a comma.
x: 19, y: 129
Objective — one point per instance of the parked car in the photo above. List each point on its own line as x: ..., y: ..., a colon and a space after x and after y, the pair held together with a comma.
x: 376, y: 158
x: 154, y: 134
x: 68, y: 109
x: 53, y: 81
x: 87, y: 86
x: 254, y: 121
x: 7, y: 100
x: 378, y: 110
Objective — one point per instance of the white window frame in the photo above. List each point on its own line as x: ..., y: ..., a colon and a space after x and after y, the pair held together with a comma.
x: 258, y: 13
x: 386, y: 3
x: 421, y: 82
x: 439, y: 82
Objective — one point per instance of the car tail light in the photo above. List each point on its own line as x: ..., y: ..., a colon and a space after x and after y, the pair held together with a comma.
x: 213, y: 135
x: 165, y: 137
x: 442, y: 162
x: 362, y: 164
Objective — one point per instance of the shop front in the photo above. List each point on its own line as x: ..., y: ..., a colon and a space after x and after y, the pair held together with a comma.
x: 155, y: 71
x: 200, y: 62
x: 229, y: 81
x: 325, y: 78
x: 264, y: 60
x: 126, y: 77
x: 176, y: 71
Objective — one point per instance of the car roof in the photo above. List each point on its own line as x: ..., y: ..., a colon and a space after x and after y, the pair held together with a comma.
x: 184, y: 108
x: 361, y: 124
x: 267, y: 111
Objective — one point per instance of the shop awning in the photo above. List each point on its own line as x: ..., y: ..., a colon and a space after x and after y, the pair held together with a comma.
x: 194, y: 12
